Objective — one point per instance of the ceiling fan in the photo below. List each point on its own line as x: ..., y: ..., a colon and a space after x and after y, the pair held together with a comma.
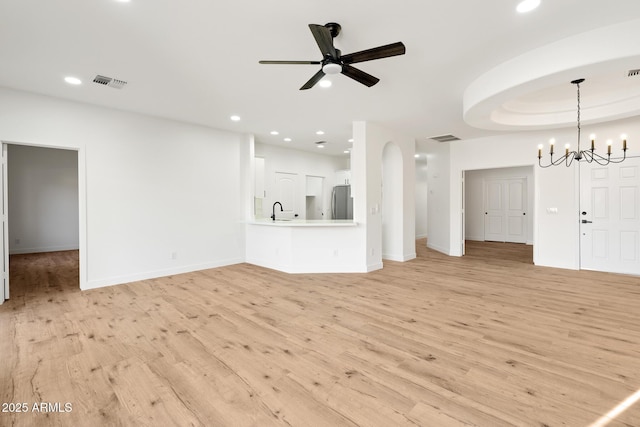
x: 334, y: 62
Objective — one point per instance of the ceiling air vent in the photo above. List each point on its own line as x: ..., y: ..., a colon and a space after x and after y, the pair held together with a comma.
x: 109, y: 81
x: 633, y: 72
x: 445, y: 138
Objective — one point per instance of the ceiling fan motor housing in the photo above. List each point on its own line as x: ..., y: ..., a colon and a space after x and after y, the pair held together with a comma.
x: 334, y: 28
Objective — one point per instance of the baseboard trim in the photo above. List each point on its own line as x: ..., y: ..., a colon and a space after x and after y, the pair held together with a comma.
x: 399, y: 258
x: 374, y: 267
x: 438, y: 248
x: 119, y: 280
x: 43, y: 250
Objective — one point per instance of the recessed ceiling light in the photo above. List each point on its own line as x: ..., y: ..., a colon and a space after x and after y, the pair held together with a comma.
x: 274, y: 132
x: 417, y: 156
x: 287, y: 139
x: 72, y: 80
x: 350, y: 139
x: 325, y: 83
x: 320, y: 132
x: 346, y: 151
x: 123, y: 1
x: 235, y: 118
x: 320, y: 146
x: 527, y: 5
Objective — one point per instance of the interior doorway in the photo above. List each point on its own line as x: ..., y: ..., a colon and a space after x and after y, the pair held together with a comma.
x: 499, y: 205
x: 314, y: 198
x: 40, y: 203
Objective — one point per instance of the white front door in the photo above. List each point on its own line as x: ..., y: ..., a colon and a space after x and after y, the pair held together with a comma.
x: 505, y: 210
x: 610, y: 217
x: 286, y: 186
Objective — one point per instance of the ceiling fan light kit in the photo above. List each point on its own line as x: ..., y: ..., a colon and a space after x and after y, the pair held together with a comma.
x: 333, y: 62
x: 332, y: 68
x: 582, y: 155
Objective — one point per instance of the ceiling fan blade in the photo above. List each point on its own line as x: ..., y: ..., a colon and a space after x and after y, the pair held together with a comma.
x: 325, y: 42
x: 379, y: 52
x: 313, y: 80
x: 359, y: 75
x: 290, y: 62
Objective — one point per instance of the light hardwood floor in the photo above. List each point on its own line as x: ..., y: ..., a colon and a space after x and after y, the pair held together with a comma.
x: 484, y: 340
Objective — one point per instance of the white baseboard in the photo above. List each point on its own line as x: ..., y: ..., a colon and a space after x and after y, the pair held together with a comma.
x: 438, y: 248
x: 399, y: 258
x: 374, y: 267
x: 119, y: 280
x: 42, y: 250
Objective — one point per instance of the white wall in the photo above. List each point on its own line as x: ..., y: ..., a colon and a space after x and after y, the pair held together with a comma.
x: 438, y: 206
x: 392, y: 215
x: 302, y: 163
x: 149, y: 188
x: 512, y: 151
x: 370, y: 140
x: 556, y: 237
x: 474, y: 198
x: 43, y: 199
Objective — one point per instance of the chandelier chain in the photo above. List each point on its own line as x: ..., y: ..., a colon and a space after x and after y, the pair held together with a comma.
x: 578, y: 85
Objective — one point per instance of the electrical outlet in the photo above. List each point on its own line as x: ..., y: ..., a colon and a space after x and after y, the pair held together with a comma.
x: 174, y: 255
x: 17, y: 241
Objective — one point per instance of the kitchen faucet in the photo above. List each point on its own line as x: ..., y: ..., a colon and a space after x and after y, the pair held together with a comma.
x: 273, y: 210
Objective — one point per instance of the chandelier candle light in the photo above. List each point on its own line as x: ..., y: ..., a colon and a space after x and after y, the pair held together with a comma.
x: 582, y: 155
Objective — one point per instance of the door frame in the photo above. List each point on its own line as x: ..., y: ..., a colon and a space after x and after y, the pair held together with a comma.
x: 4, y: 291
x: 82, y: 209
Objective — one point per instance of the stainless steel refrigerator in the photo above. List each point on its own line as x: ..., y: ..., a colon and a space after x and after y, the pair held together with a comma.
x: 341, y: 202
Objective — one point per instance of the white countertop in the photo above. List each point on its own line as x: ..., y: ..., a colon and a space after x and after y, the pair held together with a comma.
x: 304, y: 222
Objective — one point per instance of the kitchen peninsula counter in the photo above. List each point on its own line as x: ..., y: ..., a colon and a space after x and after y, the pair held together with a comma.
x: 307, y: 246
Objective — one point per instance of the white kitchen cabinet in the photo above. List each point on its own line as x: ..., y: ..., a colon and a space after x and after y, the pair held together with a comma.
x: 314, y: 186
x: 343, y: 177
x: 258, y: 188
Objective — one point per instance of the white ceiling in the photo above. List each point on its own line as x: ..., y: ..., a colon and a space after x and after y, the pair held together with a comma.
x: 197, y: 60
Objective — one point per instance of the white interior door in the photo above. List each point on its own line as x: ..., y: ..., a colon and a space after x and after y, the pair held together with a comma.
x: 4, y: 246
x: 505, y: 210
x: 516, y: 226
x: 494, y: 215
x: 610, y: 217
x: 286, y: 186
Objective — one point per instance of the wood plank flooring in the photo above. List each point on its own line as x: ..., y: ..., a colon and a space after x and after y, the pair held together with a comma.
x: 484, y: 340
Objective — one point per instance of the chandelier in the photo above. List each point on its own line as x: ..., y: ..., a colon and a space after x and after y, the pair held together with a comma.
x: 578, y: 155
